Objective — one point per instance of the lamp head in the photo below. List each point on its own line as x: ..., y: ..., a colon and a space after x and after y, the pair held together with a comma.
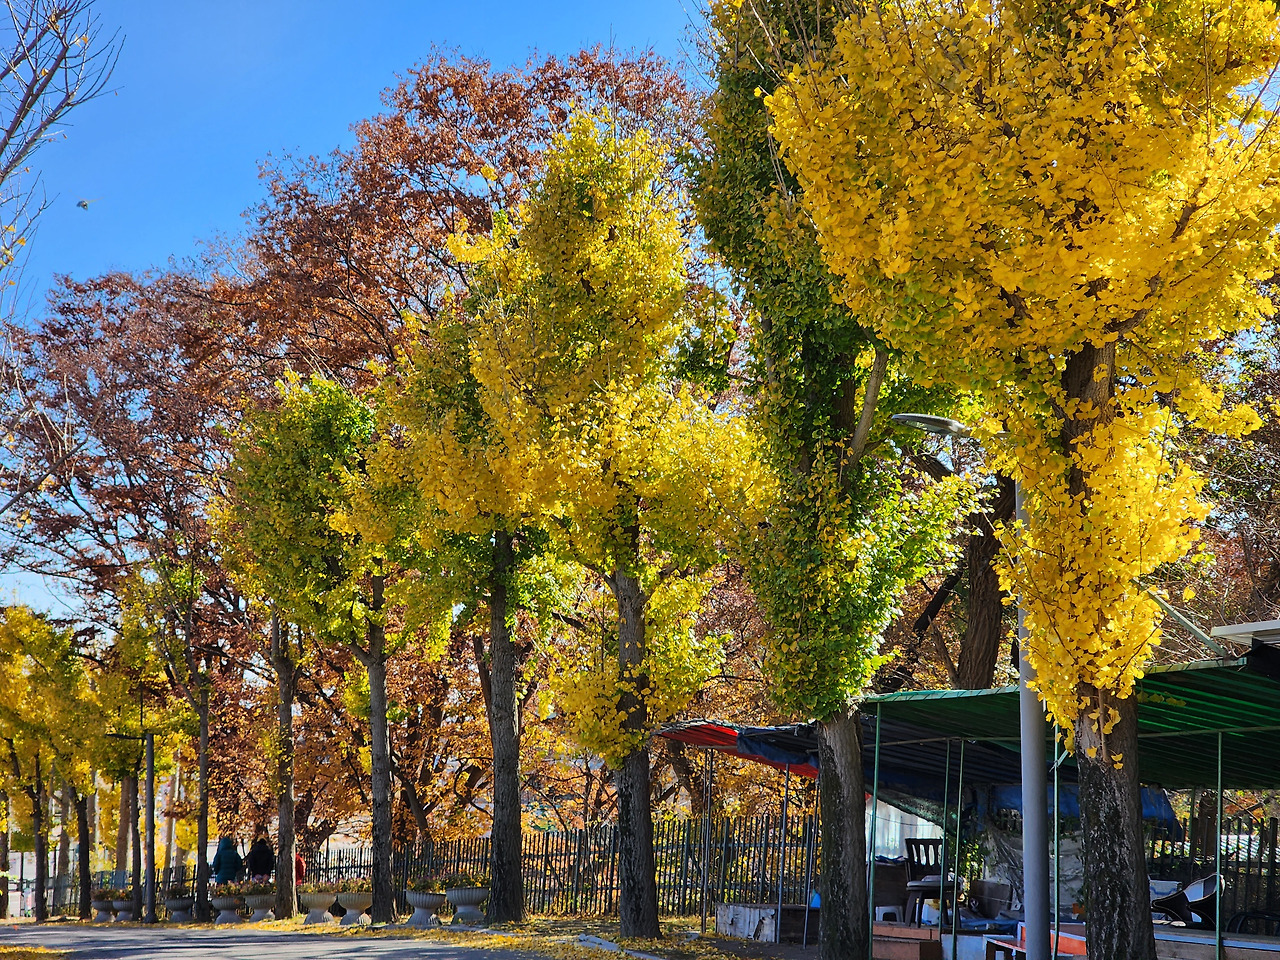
x: 930, y: 424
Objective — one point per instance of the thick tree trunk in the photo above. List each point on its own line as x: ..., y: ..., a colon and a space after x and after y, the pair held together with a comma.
x: 637, y: 874
x: 282, y: 661
x: 122, y: 832
x: 40, y: 907
x: 844, y: 924
x: 383, y: 910
x: 65, y: 809
x: 984, y: 630
x: 202, y: 810
x: 135, y: 834
x: 84, y: 845
x: 506, y: 883
x: 1118, y: 913
x: 1118, y: 917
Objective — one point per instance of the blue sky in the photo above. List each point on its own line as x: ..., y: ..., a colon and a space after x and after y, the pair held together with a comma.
x: 205, y: 90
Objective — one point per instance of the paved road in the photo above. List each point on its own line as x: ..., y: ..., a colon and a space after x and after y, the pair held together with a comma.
x: 107, y: 943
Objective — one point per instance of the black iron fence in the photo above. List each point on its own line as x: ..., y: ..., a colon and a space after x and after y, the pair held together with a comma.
x: 1245, y: 850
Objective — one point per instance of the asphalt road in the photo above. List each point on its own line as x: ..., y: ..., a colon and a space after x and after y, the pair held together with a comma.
x: 136, y: 943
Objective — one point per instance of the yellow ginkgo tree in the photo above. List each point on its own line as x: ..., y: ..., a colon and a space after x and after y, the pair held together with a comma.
x: 1056, y: 206
x: 581, y: 296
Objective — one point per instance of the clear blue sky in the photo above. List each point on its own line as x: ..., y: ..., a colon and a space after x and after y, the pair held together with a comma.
x: 205, y: 90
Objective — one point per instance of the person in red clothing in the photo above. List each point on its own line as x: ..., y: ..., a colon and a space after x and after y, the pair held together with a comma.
x: 299, y: 867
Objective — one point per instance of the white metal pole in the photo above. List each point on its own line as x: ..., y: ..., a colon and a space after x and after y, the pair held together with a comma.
x: 1035, y: 827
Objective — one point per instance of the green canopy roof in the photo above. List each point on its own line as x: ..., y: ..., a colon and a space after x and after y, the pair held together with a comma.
x: 1182, y: 710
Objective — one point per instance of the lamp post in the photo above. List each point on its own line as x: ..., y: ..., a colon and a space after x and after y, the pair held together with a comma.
x: 1032, y: 729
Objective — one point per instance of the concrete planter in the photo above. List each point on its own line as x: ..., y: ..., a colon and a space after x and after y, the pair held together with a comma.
x: 226, y: 907
x: 179, y: 909
x: 424, y: 906
x: 123, y: 909
x: 355, y: 904
x: 262, y: 905
x: 317, y: 907
x: 468, y: 900
x: 101, y: 911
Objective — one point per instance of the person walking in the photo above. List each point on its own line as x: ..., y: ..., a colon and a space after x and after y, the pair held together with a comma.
x: 226, y: 862
x: 261, y: 861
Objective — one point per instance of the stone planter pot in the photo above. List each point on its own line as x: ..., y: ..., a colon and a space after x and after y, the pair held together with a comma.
x: 101, y: 911
x: 179, y: 909
x: 355, y: 904
x: 424, y: 906
x: 226, y: 907
x: 123, y: 909
x: 468, y: 900
x: 317, y: 907
x: 262, y: 905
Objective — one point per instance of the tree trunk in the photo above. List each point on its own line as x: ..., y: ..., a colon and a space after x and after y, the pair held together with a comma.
x: 122, y: 832
x: 282, y: 661
x: 65, y: 809
x: 984, y: 630
x: 844, y: 921
x: 202, y: 810
x: 83, y: 847
x: 135, y: 833
x: 40, y: 908
x: 506, y: 881
x: 637, y: 873
x: 172, y: 794
x: 1118, y: 911
x: 383, y: 910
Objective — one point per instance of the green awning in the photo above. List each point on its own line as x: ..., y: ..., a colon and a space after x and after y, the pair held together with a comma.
x: 1182, y: 710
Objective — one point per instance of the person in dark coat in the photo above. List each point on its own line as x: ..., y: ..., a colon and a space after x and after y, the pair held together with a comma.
x: 226, y: 862
x: 261, y: 861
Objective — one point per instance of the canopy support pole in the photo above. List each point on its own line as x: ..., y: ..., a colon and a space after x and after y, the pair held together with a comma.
x: 1217, y: 864
x: 955, y: 882
x: 871, y: 847
x: 1058, y: 756
x: 708, y: 793
x: 782, y: 856
x: 810, y: 851
x: 942, y: 860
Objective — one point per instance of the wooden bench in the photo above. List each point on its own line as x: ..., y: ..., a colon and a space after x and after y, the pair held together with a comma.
x: 1070, y: 943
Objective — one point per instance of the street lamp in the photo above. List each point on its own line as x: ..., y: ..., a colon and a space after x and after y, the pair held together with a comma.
x: 1032, y: 728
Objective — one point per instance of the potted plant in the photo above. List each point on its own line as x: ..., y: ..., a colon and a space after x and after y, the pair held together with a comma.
x: 102, y: 900
x: 179, y: 902
x: 261, y: 899
x: 467, y: 891
x: 225, y: 898
x: 356, y: 896
x: 122, y: 903
x: 316, y: 899
x: 426, y: 896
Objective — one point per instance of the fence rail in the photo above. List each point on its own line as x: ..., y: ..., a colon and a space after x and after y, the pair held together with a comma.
x: 1246, y: 850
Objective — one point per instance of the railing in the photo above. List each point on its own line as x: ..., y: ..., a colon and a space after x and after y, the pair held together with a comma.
x: 1248, y: 855
x: 576, y: 871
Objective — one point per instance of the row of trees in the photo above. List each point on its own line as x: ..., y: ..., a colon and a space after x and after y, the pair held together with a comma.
x: 517, y: 403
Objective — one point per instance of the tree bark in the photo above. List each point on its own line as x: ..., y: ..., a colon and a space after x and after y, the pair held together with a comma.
x: 202, y: 810
x: 282, y: 661
x: 1118, y: 910
x: 506, y: 882
x: 844, y: 924
x: 375, y: 660
x: 65, y: 809
x: 83, y: 847
x: 135, y: 834
x: 984, y: 630
x: 1118, y: 913
x: 122, y: 831
x: 637, y: 874
x: 40, y: 908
